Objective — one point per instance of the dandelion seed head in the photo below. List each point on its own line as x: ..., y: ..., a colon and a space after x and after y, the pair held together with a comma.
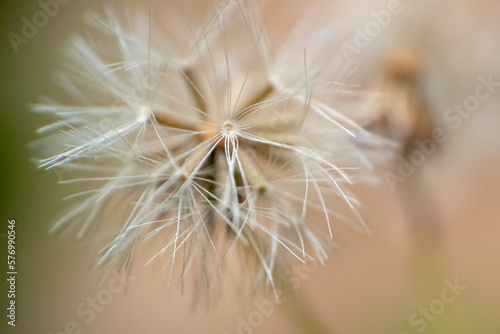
x: 210, y: 148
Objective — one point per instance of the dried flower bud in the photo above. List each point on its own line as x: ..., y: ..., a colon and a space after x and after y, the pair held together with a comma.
x: 403, y: 107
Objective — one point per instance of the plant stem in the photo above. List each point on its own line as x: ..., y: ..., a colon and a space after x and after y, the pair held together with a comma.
x: 306, y: 322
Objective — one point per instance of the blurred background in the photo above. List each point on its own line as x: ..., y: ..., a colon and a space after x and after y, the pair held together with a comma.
x: 431, y: 263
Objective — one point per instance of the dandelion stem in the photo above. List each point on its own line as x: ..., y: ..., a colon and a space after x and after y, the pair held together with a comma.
x: 194, y: 88
x: 302, y: 316
x: 427, y: 266
x: 173, y: 121
x: 261, y: 96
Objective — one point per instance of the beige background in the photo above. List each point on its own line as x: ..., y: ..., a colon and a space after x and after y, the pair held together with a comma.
x: 367, y: 283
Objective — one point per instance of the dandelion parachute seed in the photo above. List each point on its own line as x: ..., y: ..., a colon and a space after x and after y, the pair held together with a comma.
x: 202, y: 140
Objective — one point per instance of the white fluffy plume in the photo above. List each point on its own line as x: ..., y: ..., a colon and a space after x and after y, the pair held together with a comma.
x: 201, y: 136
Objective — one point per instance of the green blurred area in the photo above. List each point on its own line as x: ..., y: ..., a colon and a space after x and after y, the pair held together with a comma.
x: 27, y: 195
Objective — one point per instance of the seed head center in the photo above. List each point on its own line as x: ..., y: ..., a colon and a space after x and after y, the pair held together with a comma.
x: 228, y: 127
